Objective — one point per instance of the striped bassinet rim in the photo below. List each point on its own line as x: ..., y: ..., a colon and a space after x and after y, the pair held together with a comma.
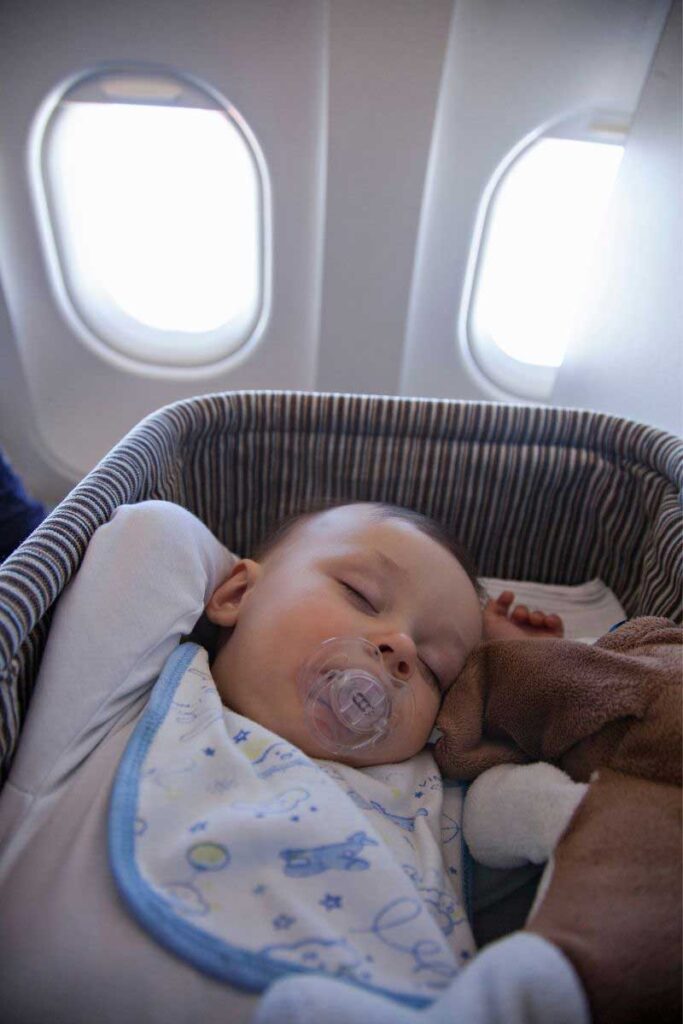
x: 552, y: 495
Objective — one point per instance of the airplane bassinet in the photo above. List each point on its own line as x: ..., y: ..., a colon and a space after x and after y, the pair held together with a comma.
x: 552, y: 495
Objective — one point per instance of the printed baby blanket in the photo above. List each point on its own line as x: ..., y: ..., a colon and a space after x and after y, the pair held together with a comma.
x: 251, y: 860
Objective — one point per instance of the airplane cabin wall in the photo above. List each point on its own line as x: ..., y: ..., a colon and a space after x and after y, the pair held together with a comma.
x: 269, y: 60
x: 627, y: 357
x: 511, y: 70
x: 381, y: 125
x: 386, y: 61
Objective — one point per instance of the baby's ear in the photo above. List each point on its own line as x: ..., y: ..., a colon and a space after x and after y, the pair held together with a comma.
x: 224, y: 604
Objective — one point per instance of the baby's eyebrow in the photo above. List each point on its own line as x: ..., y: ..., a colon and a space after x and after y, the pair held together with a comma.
x: 376, y: 560
x: 389, y: 565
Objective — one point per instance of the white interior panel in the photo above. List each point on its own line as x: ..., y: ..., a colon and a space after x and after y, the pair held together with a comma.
x: 386, y: 59
x: 627, y: 358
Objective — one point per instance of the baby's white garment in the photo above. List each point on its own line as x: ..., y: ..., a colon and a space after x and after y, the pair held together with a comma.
x: 251, y: 860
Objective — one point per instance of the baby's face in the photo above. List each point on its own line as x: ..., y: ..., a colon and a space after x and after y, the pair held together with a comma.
x: 343, y: 573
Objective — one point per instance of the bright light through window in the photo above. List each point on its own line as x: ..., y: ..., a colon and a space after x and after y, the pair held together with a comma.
x: 543, y: 227
x: 158, y: 210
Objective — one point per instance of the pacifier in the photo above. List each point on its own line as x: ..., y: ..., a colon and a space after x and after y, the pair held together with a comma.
x: 350, y: 700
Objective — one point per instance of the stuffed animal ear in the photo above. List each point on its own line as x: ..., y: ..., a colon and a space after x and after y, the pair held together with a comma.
x: 570, y: 703
x: 464, y: 751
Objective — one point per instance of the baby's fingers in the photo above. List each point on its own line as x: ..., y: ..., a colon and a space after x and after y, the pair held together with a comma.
x: 554, y: 622
x: 503, y: 601
x: 521, y: 614
x: 541, y: 620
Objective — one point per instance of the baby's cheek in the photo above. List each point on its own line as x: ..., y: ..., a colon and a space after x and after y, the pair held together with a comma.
x: 424, y: 717
x: 316, y: 619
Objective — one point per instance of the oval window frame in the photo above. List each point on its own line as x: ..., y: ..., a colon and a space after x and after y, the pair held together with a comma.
x: 230, y: 348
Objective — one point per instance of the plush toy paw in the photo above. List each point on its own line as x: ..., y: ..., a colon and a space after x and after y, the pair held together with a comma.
x: 515, y: 814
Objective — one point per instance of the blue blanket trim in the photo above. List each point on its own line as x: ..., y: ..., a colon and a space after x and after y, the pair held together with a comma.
x: 210, y: 955
x: 466, y: 857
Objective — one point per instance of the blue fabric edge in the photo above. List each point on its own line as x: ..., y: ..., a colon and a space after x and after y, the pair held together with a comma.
x: 465, y: 855
x: 212, y: 956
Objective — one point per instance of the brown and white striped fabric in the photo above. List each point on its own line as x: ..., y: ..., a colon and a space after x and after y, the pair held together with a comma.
x: 552, y: 495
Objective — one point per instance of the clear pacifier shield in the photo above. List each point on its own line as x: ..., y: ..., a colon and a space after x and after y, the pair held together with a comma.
x: 350, y: 700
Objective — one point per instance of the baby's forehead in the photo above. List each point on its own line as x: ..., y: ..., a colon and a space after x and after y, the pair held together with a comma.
x: 360, y: 522
x: 345, y: 517
x: 362, y: 530
x: 361, y: 534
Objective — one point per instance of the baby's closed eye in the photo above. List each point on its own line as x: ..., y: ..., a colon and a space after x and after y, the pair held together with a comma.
x: 359, y: 597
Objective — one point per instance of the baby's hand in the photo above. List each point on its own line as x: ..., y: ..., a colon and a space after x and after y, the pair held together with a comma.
x: 500, y: 623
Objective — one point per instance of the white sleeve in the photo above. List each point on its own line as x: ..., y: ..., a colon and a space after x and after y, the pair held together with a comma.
x: 143, y: 583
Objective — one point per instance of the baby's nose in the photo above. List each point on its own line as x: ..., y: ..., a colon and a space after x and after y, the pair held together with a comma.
x: 399, y: 655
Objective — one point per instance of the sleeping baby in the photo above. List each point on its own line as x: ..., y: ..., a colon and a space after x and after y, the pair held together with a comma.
x: 390, y: 580
x: 179, y: 831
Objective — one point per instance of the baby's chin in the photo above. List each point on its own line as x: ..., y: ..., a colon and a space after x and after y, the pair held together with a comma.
x: 390, y: 750
x: 311, y: 748
x: 368, y: 758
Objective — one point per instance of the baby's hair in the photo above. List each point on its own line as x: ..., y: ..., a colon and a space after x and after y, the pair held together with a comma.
x: 283, y: 527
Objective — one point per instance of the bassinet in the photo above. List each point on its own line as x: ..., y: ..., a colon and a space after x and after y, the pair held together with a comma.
x: 551, y: 495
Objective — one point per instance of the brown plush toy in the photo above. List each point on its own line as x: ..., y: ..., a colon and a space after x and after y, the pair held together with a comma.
x: 608, y: 714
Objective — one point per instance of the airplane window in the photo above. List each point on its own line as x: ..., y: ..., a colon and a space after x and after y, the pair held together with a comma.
x: 540, y: 234
x: 156, y: 203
